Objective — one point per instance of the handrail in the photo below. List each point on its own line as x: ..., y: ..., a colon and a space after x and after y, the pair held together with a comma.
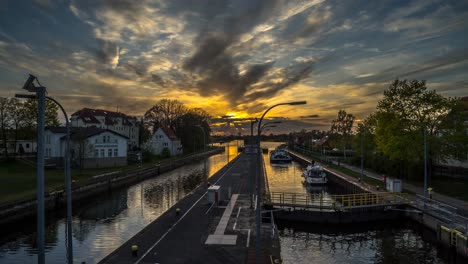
x: 342, y: 201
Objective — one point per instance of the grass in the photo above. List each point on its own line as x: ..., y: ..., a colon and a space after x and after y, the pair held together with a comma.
x: 456, y: 188
x: 453, y: 187
x: 18, y: 180
x: 356, y: 175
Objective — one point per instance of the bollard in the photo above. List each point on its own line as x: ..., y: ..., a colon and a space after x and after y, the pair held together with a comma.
x: 208, y: 184
x: 177, y: 211
x: 134, y: 250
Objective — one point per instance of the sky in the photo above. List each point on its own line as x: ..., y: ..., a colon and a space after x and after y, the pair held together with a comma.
x: 233, y: 58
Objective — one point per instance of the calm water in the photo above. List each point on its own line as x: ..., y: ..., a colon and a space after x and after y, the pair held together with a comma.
x: 102, y: 225
x: 384, y: 243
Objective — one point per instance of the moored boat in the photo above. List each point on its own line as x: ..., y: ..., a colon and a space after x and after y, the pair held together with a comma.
x: 315, y: 175
x: 280, y: 156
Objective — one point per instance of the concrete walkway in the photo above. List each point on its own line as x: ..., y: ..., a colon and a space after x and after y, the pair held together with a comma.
x: 203, y: 232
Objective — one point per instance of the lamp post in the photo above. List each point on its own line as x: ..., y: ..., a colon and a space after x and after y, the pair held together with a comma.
x: 425, y: 161
x: 361, y: 136
x: 252, y: 122
x: 204, y: 150
x: 259, y: 186
x: 40, y: 95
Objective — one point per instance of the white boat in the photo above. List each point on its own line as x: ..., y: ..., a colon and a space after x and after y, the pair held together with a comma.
x: 315, y: 175
x: 280, y: 156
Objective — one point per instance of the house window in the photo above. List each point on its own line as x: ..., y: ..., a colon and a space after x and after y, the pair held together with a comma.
x: 27, y: 145
x: 165, y: 144
x: 104, y: 139
x: 108, y: 138
x: 115, y: 152
x: 96, y: 153
x: 102, y: 153
x: 109, y: 153
x: 95, y: 141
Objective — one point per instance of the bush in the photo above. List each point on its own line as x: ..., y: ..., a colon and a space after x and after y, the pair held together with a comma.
x: 165, y: 153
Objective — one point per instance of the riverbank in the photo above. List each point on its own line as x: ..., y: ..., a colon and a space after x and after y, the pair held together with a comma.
x: 94, y: 186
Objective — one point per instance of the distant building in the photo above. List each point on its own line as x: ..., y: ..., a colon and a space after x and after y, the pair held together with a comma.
x: 90, y: 147
x: 114, y: 121
x: 165, y: 137
x: 20, y: 147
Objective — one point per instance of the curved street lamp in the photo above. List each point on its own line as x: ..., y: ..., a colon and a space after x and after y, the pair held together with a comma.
x: 259, y: 186
x: 40, y: 95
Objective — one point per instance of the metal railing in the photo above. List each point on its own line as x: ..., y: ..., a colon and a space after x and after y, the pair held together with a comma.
x: 334, y: 202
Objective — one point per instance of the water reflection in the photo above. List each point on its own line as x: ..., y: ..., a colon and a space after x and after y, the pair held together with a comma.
x: 104, y: 223
x: 381, y: 243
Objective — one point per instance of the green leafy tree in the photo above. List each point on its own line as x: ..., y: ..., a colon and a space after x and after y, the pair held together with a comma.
x: 342, y: 127
x: 406, y: 110
x: 189, y: 129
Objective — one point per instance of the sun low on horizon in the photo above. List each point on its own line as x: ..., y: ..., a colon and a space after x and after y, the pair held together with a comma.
x: 233, y: 58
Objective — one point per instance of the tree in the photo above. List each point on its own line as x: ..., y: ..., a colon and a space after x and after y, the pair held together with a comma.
x: 405, y: 112
x: 164, y: 113
x: 17, y: 112
x: 191, y: 136
x: 342, y: 126
x: 4, y: 122
x: 51, y: 113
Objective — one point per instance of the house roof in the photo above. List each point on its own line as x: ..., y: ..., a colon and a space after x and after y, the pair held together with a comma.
x: 58, y: 129
x: 322, y: 141
x: 88, y: 115
x: 169, y: 133
x: 77, y: 133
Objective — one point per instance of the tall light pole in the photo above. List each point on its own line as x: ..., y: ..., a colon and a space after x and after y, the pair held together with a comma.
x: 252, y: 122
x: 361, y: 136
x: 259, y: 185
x: 29, y: 85
x: 204, y: 150
x: 425, y: 162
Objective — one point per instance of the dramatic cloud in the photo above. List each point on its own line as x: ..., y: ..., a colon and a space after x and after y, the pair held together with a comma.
x: 233, y: 57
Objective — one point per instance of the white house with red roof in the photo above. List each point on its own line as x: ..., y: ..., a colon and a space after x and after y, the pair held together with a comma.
x: 114, y: 121
x: 164, y: 137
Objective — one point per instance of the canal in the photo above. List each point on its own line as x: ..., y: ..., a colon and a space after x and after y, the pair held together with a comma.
x: 375, y: 243
x: 106, y: 222
x: 102, y: 225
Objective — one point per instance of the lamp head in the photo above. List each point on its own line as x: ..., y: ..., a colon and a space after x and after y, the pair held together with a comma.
x: 297, y: 103
x: 29, y: 85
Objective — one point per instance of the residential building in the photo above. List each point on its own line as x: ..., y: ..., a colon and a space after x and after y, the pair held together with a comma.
x: 90, y: 147
x: 165, y: 137
x: 114, y: 121
x: 20, y: 147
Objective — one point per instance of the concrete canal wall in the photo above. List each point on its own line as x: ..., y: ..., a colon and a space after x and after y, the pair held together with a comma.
x: 100, y: 184
x: 450, y: 233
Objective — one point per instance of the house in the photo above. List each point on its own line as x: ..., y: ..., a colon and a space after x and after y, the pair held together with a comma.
x: 90, y: 147
x: 165, y: 137
x: 115, y: 121
x: 20, y: 147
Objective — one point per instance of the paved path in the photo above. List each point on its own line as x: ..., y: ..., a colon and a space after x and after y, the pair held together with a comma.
x: 201, y: 233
